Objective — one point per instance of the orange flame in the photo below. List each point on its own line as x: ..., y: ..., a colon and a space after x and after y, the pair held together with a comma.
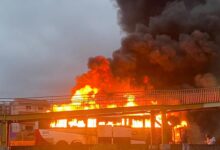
x: 84, y: 98
x: 82, y: 95
x: 130, y: 101
x: 62, y: 123
x: 181, y: 125
x: 177, y: 131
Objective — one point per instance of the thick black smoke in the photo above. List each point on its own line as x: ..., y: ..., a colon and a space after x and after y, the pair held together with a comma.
x: 208, y: 121
x: 174, y: 43
x: 138, y: 12
x: 169, y: 44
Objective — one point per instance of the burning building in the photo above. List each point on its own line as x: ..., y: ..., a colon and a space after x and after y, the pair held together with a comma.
x: 135, y: 127
x: 168, y: 45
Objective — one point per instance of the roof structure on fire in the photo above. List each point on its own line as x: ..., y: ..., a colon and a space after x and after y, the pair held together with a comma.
x: 168, y: 101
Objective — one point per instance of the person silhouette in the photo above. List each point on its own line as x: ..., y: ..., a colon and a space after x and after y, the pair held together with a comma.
x: 210, y: 140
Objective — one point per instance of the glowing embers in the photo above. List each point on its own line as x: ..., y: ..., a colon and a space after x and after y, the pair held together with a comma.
x: 86, y: 99
x: 178, y: 132
x: 181, y: 125
x: 83, y: 99
x: 112, y: 106
x: 91, y: 123
x: 118, y: 122
x: 130, y: 101
x: 79, y: 123
x: 127, y: 100
x: 137, y: 123
x: 146, y: 123
x: 65, y: 107
x: 84, y: 94
x: 62, y: 123
x: 129, y: 121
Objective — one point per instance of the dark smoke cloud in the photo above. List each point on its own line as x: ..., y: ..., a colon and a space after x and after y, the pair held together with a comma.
x: 177, y: 18
x: 135, y: 12
x: 207, y: 121
x: 175, y: 44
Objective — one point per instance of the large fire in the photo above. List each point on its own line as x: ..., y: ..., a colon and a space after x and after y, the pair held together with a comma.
x: 84, y: 99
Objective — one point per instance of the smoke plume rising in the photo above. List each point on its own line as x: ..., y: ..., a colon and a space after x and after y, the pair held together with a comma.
x: 172, y: 44
x: 168, y: 45
x: 175, y: 44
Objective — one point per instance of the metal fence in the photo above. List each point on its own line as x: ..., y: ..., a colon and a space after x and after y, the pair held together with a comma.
x: 131, y: 98
x: 149, y: 97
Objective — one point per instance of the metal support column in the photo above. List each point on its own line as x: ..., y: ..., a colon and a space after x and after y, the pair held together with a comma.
x: 5, y: 134
x: 164, y: 129
x: 152, y: 120
x: 164, y: 132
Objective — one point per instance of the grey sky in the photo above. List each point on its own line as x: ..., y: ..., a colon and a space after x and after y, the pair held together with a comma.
x: 45, y: 44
